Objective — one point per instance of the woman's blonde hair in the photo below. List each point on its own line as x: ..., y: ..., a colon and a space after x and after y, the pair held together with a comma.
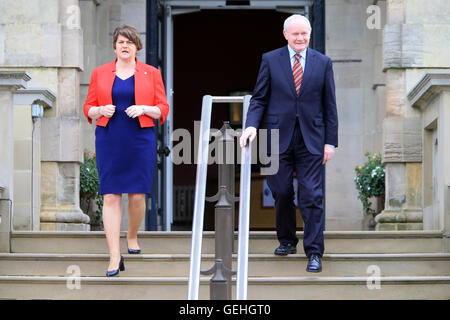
x: 129, y: 32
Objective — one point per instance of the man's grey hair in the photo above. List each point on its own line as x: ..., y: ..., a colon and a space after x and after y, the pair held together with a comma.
x: 295, y: 17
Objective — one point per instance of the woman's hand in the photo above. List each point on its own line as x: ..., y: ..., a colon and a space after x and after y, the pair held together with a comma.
x: 136, y: 111
x: 108, y: 110
x: 96, y: 112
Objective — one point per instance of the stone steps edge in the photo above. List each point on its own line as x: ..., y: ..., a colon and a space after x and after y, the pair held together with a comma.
x: 211, y: 256
x: 253, y: 234
x: 251, y: 280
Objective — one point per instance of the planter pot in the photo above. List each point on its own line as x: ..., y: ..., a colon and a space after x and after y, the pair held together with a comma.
x: 371, y: 224
x: 378, y: 206
x: 89, y: 207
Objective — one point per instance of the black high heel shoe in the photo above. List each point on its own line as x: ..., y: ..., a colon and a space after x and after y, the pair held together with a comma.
x: 112, y: 273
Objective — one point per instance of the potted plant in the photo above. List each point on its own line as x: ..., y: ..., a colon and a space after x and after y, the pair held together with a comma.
x: 370, y: 182
x: 91, y: 202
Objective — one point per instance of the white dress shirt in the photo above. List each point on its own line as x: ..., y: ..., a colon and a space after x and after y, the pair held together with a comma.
x: 292, y: 54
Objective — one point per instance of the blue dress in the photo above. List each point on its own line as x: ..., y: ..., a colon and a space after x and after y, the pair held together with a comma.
x: 125, y: 152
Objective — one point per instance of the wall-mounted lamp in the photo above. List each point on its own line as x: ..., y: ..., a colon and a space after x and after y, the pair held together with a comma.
x: 37, y: 111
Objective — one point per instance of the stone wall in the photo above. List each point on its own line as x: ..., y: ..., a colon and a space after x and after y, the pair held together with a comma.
x: 356, y: 52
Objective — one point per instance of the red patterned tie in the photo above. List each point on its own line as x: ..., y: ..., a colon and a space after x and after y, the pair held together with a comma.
x: 298, y: 73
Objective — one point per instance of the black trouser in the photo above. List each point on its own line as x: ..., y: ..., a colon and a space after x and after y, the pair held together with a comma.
x: 309, y: 170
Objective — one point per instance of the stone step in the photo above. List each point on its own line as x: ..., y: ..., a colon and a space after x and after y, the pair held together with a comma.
x: 260, y: 265
x: 259, y: 288
x: 162, y: 242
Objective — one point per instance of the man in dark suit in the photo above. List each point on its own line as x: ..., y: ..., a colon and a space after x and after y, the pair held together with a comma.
x: 294, y: 93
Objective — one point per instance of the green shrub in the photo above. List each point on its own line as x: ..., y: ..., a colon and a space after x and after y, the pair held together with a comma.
x: 370, y: 181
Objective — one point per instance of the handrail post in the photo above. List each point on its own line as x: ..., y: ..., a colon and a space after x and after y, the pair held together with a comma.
x: 224, y: 216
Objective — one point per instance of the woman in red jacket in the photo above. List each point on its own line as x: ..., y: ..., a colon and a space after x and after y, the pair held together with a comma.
x: 125, y: 97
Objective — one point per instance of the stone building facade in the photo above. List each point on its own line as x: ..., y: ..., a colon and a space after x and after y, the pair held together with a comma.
x: 415, y: 138
x: 45, y: 40
x: 391, y: 62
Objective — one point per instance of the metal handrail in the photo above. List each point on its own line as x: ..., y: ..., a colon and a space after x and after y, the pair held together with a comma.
x: 199, y: 200
x: 244, y: 215
x: 200, y: 192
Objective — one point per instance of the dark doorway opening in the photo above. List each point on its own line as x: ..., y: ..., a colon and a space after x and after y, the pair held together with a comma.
x: 216, y: 52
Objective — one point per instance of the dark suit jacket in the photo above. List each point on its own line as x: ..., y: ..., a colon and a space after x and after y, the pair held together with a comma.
x: 275, y: 104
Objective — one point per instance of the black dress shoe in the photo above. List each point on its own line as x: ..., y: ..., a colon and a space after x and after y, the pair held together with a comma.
x: 285, y: 249
x: 314, y: 264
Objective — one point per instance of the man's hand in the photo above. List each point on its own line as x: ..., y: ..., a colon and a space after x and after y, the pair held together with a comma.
x: 107, y: 111
x: 328, y: 153
x: 249, y: 132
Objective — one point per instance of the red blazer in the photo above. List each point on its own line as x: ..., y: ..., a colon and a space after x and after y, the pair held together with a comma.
x: 149, y: 91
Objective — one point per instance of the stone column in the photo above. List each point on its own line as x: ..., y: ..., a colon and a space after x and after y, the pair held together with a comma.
x: 27, y: 153
x: 61, y: 133
x: 409, y: 51
x: 402, y: 143
x: 9, y: 82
